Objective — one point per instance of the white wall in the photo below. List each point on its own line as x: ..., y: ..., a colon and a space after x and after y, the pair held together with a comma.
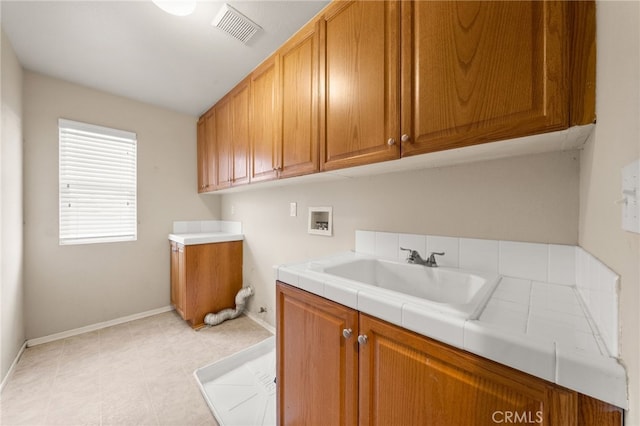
x: 73, y: 286
x: 11, y: 266
x: 615, y: 143
x: 530, y: 198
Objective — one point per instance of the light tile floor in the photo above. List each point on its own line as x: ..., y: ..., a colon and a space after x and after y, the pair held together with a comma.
x: 137, y: 373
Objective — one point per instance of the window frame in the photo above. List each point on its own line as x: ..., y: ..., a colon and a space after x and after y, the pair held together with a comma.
x: 104, y: 142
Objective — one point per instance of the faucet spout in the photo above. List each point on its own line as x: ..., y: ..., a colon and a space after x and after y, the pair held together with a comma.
x: 431, y: 261
x: 415, y: 258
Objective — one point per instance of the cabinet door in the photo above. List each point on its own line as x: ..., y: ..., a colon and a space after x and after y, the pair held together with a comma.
x: 407, y: 379
x: 241, y: 142
x: 481, y: 71
x: 206, y: 152
x: 583, y: 62
x: 179, y: 280
x: 265, y: 119
x: 224, y: 142
x: 299, y: 82
x: 213, y: 277
x: 316, y: 364
x: 210, y: 151
x: 202, y: 155
x: 174, y: 271
x: 360, y: 103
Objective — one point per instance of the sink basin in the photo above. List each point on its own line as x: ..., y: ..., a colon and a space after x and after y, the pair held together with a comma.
x: 448, y: 289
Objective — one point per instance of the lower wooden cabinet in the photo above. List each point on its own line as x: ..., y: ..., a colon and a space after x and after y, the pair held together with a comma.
x: 341, y: 367
x: 178, y: 278
x: 407, y: 379
x: 205, y: 278
x: 317, y: 368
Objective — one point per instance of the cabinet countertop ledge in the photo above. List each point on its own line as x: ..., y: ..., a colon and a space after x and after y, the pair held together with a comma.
x: 205, y: 238
x: 206, y: 232
x: 515, y: 326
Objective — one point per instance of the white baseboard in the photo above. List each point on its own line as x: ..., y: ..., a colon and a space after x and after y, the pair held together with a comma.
x: 262, y: 322
x: 98, y: 326
x: 5, y: 379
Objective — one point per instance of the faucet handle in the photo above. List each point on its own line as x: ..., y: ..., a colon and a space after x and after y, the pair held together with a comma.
x: 412, y: 254
x: 431, y: 261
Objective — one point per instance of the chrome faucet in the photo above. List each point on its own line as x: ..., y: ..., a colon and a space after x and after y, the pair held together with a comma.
x: 414, y: 257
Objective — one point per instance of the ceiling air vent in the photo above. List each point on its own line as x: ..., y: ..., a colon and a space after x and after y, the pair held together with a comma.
x: 235, y: 23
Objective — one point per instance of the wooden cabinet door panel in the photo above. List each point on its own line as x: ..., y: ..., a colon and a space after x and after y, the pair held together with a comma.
x: 299, y: 81
x: 174, y: 274
x: 224, y: 142
x: 317, y: 365
x: 241, y: 142
x: 360, y: 108
x: 582, y: 109
x: 206, y: 151
x: 181, y: 283
x: 265, y: 128
x: 213, y: 278
x: 408, y: 379
x: 202, y: 155
x: 211, y: 153
x: 482, y: 71
x: 597, y: 413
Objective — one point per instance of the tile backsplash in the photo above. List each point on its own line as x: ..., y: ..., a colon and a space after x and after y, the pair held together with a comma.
x: 568, y: 265
x: 533, y: 261
x: 598, y: 287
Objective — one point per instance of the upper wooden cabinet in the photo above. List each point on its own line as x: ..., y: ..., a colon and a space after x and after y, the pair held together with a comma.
x: 582, y: 67
x: 265, y: 121
x: 231, y: 137
x: 370, y: 81
x: 360, y: 97
x: 240, y: 148
x: 202, y: 156
x: 299, y: 68
x: 224, y: 141
x: 207, y: 158
x: 481, y: 71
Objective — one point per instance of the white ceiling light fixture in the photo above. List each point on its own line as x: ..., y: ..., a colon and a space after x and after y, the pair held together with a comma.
x: 176, y: 7
x: 235, y: 24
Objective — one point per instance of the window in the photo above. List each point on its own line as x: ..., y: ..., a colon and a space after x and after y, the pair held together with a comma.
x: 97, y: 184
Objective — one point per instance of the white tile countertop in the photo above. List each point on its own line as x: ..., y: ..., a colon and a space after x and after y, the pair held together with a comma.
x: 206, y: 232
x: 205, y: 238
x: 530, y: 324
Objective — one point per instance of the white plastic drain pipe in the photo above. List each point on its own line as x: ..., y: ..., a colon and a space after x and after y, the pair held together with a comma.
x: 226, y: 314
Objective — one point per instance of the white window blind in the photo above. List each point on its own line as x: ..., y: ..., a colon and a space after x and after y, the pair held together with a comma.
x: 97, y: 184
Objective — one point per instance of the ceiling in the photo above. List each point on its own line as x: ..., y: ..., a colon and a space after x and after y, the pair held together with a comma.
x: 134, y: 49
